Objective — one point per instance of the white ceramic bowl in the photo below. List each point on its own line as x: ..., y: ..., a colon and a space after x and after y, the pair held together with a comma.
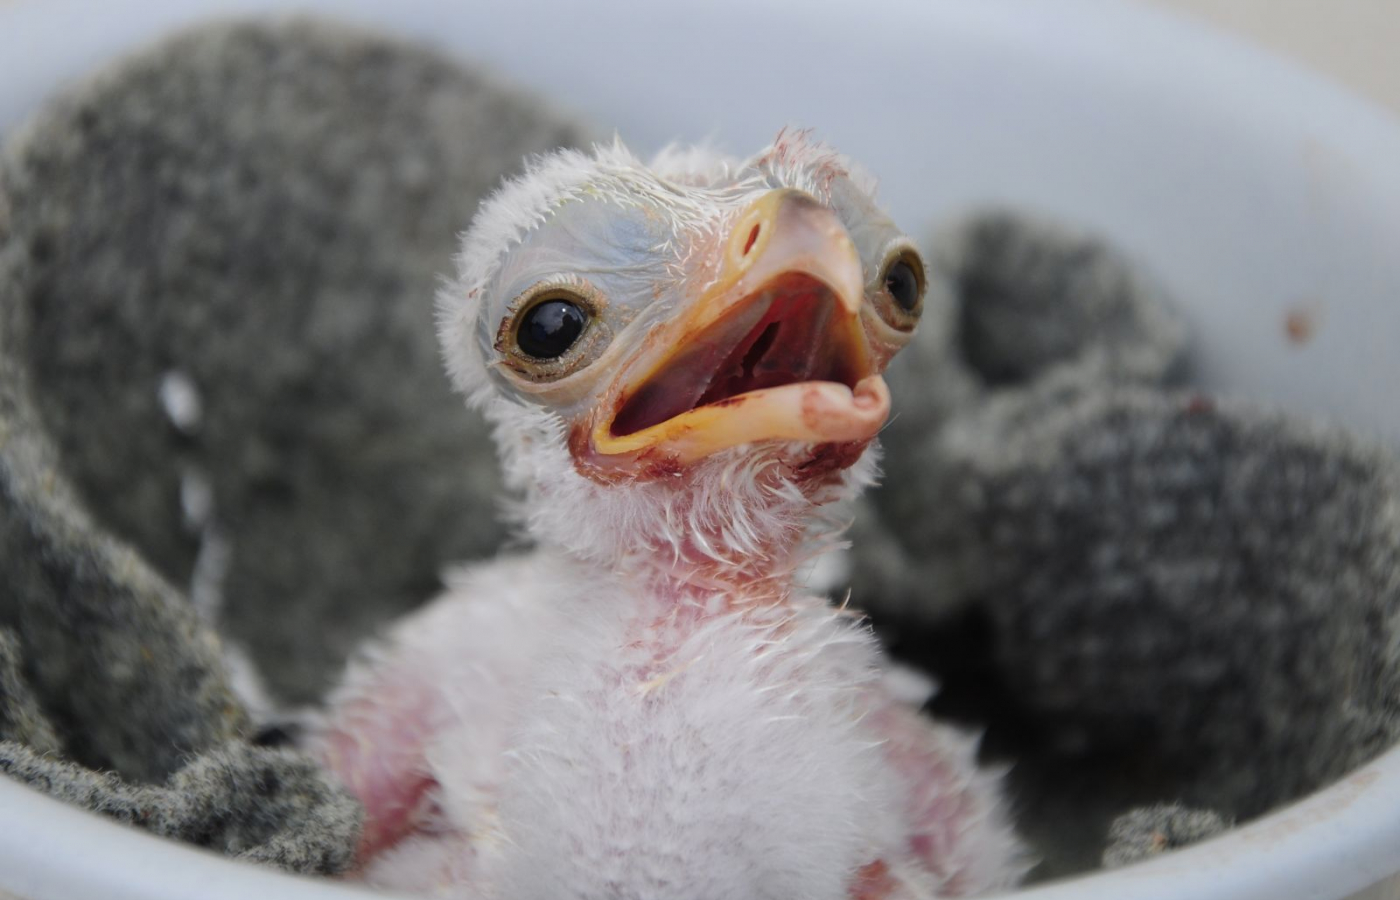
x: 1253, y: 188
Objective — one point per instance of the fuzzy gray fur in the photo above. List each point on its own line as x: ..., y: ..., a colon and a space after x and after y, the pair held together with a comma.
x: 268, y: 806
x: 1230, y: 580
x: 22, y: 719
x: 1014, y: 304
x: 116, y: 658
x: 1152, y: 831
x: 262, y: 210
x: 1147, y: 593
x: 266, y: 209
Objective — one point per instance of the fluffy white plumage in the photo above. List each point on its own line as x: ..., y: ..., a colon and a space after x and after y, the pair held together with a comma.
x: 647, y: 706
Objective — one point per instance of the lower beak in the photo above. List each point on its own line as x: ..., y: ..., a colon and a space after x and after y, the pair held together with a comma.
x: 772, y: 350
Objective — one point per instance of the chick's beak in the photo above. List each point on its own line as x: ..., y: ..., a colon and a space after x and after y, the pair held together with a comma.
x: 772, y: 349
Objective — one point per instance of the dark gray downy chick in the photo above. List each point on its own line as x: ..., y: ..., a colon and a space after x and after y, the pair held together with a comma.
x: 253, y: 219
x: 219, y: 384
x: 1020, y: 314
x: 1153, y: 594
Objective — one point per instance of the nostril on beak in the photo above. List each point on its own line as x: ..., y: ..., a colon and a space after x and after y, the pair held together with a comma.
x: 752, y: 238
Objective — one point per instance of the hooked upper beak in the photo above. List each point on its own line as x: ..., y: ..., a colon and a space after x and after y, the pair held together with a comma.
x: 773, y: 349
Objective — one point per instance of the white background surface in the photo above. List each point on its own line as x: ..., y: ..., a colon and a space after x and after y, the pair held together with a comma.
x: 1354, y: 41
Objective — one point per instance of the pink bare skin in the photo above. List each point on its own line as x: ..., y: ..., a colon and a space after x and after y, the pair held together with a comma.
x: 377, y: 739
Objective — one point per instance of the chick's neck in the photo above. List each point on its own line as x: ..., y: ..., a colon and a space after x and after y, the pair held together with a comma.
x: 716, y: 542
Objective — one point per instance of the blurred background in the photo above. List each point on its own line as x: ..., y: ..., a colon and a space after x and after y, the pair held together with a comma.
x: 1353, y: 41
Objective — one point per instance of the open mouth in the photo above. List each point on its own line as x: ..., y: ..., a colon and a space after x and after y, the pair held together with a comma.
x: 773, y: 349
x: 790, y: 331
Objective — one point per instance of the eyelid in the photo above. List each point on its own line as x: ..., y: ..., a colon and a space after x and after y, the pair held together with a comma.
x: 569, y: 283
x: 900, y: 246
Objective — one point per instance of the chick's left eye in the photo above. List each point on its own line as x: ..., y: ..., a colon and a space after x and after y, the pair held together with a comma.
x: 549, y: 329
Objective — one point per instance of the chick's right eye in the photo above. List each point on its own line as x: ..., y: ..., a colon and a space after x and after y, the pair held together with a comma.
x: 548, y: 329
x: 903, y: 284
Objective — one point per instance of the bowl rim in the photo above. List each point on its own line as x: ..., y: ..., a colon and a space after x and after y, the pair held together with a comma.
x: 1333, y: 843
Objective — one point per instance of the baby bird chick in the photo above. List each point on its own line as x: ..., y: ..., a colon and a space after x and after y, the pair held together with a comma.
x: 682, y: 365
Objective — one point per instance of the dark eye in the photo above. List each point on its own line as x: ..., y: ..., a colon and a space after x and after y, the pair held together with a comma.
x: 903, y: 284
x: 549, y: 329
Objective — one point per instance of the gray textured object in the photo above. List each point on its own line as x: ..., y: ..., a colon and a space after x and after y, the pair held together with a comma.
x: 1146, y: 594
x: 1033, y: 296
x: 1213, y: 582
x: 1017, y: 308
x: 217, y: 264
x: 261, y: 213
x: 1154, y: 830
x: 268, y: 806
x: 22, y: 718
x: 100, y: 660
x: 116, y: 659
